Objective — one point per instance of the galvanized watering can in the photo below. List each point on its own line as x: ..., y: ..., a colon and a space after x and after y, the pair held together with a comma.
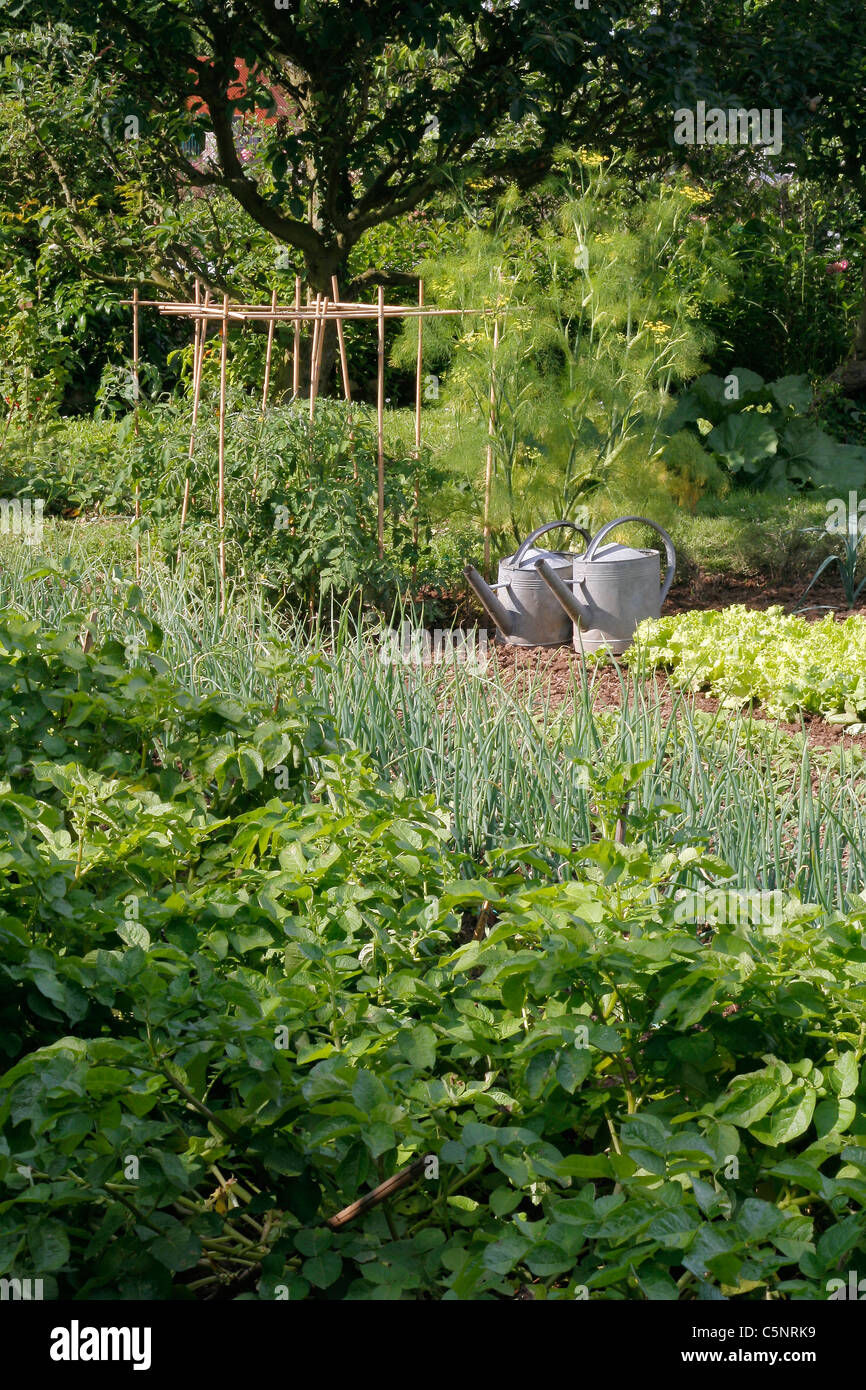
x: 611, y: 589
x: 521, y: 604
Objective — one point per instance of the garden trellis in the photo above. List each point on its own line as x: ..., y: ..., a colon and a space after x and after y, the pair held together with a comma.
x: 318, y: 314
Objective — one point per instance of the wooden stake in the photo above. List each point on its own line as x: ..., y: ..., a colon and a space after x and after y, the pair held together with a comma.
x: 135, y: 419
x: 344, y: 363
x: 313, y: 353
x: 271, y: 326
x: 380, y: 412
x: 320, y: 345
x: 222, y: 451
x: 197, y: 370
x: 344, y: 367
x: 491, y: 433
x: 316, y: 364
x: 12, y: 409
x: 419, y: 368
x: 296, y: 365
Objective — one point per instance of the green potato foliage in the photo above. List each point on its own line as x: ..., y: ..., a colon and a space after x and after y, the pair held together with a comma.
x: 243, y: 979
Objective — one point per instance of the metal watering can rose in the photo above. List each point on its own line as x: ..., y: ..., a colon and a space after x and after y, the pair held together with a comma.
x: 525, y: 611
x: 611, y: 588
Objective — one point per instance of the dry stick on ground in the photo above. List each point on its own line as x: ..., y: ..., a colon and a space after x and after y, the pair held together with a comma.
x: 197, y: 365
x: 344, y: 367
x: 296, y: 364
x: 222, y: 452
x: 491, y: 432
x: 135, y: 418
x: 419, y: 367
x: 380, y: 421
x: 385, y: 1189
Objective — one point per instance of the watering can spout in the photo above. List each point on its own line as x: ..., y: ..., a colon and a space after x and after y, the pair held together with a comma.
x: 579, y: 613
x: 500, y: 615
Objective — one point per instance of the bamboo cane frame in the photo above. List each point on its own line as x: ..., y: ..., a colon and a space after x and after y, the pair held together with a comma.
x: 491, y: 434
x: 221, y: 457
x: 318, y: 314
x: 380, y: 425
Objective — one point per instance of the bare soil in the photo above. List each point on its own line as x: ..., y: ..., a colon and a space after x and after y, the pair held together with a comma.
x: 561, y: 667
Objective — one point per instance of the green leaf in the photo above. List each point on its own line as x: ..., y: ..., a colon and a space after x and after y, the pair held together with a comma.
x: 178, y: 1249
x: 49, y: 1246
x: 418, y: 1046
x: 844, y: 1074
x: 790, y: 1118
x: 323, y: 1270
x: 748, y: 1099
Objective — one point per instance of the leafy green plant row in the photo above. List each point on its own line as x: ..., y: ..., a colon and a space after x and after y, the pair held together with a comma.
x: 497, y: 759
x: 784, y: 662
x: 244, y: 977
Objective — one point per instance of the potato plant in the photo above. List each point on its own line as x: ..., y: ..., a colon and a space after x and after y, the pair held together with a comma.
x: 244, y: 980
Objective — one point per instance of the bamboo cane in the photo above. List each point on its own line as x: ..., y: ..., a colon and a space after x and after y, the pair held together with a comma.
x: 271, y: 326
x: 321, y: 345
x: 316, y: 365
x: 313, y: 353
x: 341, y: 338
x: 12, y: 410
x: 491, y: 434
x: 419, y: 367
x: 344, y: 367
x: 197, y: 372
x: 380, y: 414
x: 222, y: 451
x: 135, y: 420
x: 296, y: 365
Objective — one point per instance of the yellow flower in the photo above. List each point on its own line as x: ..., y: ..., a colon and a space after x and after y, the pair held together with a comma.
x: 591, y: 160
x: 658, y: 329
x: 696, y: 195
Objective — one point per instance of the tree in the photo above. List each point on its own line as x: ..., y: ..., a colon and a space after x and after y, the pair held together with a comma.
x: 384, y: 105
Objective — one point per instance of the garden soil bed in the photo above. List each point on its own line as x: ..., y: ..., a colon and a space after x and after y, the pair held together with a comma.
x: 698, y: 590
x: 560, y: 668
x: 701, y: 590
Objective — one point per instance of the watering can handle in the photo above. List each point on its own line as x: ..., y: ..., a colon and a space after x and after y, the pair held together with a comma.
x: 550, y: 526
x: 669, y: 547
